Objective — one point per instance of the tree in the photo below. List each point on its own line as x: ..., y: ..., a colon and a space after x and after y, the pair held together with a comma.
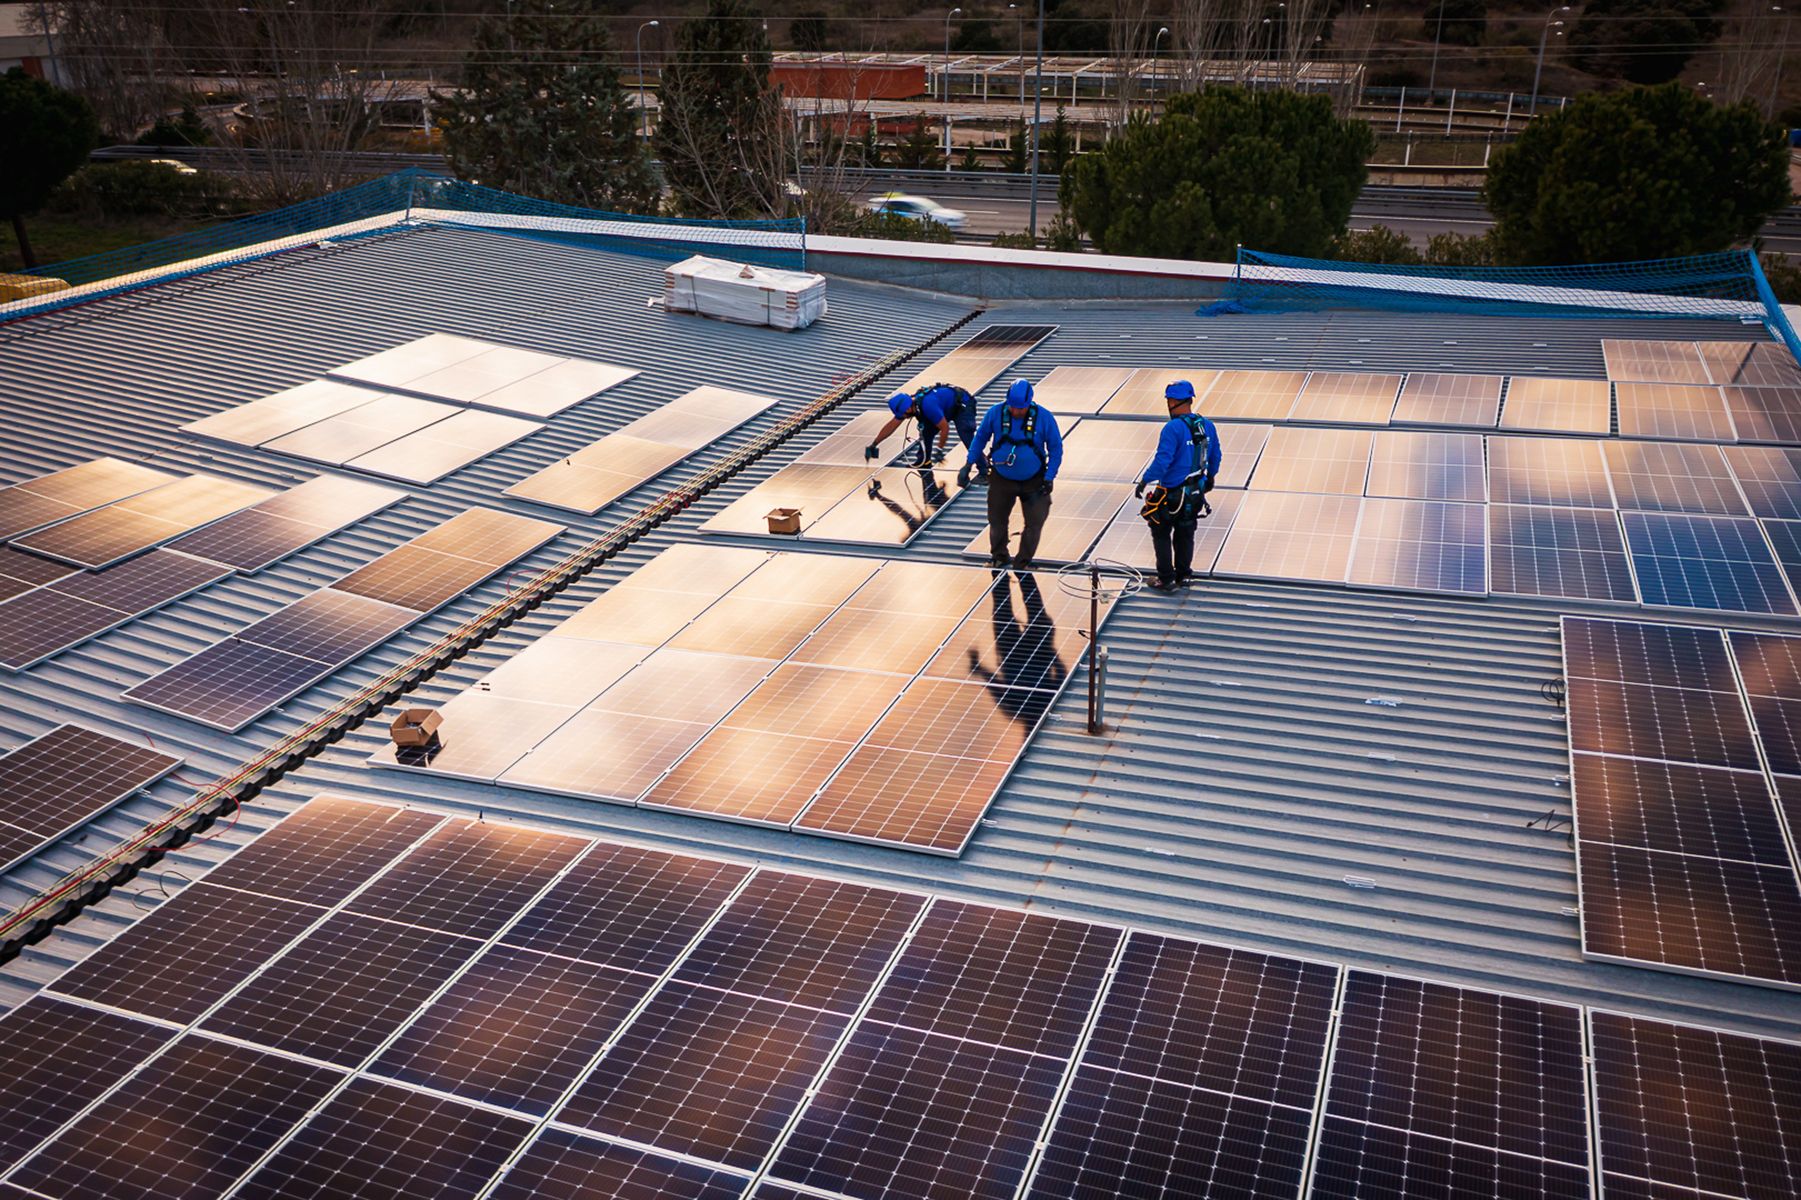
x: 187, y: 129
x: 918, y: 151
x: 45, y: 136
x: 1224, y: 167
x: 1018, y: 159
x: 1644, y: 173
x: 1377, y: 244
x: 1465, y: 22
x: 977, y: 36
x: 1057, y: 145
x: 719, y: 133
x: 541, y: 110
x: 810, y: 32
x: 1642, y: 41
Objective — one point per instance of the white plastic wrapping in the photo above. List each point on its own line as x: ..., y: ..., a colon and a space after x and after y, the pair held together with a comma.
x: 749, y: 295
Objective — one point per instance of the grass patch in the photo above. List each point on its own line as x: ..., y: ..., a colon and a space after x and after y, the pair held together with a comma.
x: 57, y: 238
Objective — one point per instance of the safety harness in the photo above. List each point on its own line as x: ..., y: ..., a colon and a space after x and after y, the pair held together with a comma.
x: 1027, y: 437
x: 1187, y: 501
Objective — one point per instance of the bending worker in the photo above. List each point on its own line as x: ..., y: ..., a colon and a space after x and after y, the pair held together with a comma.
x: 1021, y: 465
x: 935, y: 407
x: 1179, y: 478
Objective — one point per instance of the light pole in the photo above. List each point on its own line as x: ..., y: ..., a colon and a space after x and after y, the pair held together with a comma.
x: 1544, y: 35
x: 1776, y: 76
x: 1438, y: 32
x: 1156, y: 44
x: 944, y: 86
x: 643, y: 112
x: 1037, y: 112
x: 1019, y: 22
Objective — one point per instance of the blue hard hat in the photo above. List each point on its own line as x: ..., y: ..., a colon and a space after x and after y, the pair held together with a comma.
x: 1019, y: 394
x: 1181, y: 389
x: 901, y: 403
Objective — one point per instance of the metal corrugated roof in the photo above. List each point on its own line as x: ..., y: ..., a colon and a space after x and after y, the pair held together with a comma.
x: 1351, y: 776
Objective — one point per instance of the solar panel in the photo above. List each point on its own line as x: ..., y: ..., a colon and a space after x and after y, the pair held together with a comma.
x: 224, y: 936
x: 1770, y: 666
x: 37, y: 502
x: 1347, y: 398
x: 1028, y: 635
x: 1763, y: 364
x: 635, y: 615
x: 1661, y: 477
x: 1679, y: 808
x: 1566, y: 472
x: 556, y: 388
x: 1701, y: 1110
x: 356, y: 431
x: 1421, y: 545
x: 187, y: 1125
x: 516, y: 1030
x: 482, y: 737
x: 812, y: 488
x: 70, y: 610
x: 1356, y: 1159
x: 469, y: 379
x: 998, y: 976
x: 1765, y: 414
x: 468, y: 877
x: 1769, y: 477
x: 378, y: 1140
x: 982, y: 359
x: 448, y: 445
x: 1080, y: 510
x: 1558, y: 405
x: 703, y: 569
x: 1128, y: 538
x: 131, y: 526
x: 1785, y: 540
x: 1714, y: 563
x: 21, y: 572
x: 258, y: 536
x: 1653, y: 361
x: 1140, y: 394
x: 1433, y: 399
x: 929, y: 589
x: 1121, y: 1135
x: 330, y: 626
x: 603, y: 755
x: 1427, y: 466
x: 56, y: 782
x: 802, y: 940
x: 844, y: 446
x: 470, y: 371
x: 684, y: 685
x: 1668, y: 410
x: 36, y: 625
x: 1240, y: 447
x: 565, y: 1164
x: 1314, y: 460
x: 627, y: 907
x: 325, y: 850
x: 967, y: 1128
x: 1069, y: 391
x: 753, y: 1059
x: 1252, y: 395
x: 1677, y: 724
x: 1108, y: 451
x: 895, y: 504
x: 752, y: 627
x: 877, y: 640
x: 564, y: 671
x: 282, y: 413
x: 343, y: 989
x: 1676, y: 656
x: 57, y: 1058
x: 441, y: 564
x: 1280, y: 535
x: 1577, y: 553
x: 410, y: 360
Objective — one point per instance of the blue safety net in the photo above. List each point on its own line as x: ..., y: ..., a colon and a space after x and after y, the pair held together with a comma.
x: 1729, y: 286
x: 418, y: 198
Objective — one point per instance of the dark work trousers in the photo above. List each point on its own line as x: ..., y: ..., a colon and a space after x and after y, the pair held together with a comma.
x: 1032, y: 502
x: 962, y: 419
x: 1174, y: 545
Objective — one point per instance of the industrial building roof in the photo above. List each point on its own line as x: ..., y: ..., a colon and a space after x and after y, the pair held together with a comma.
x: 1360, y: 777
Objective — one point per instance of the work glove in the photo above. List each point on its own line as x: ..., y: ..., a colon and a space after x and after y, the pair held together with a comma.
x: 1046, y: 489
x: 1138, y: 492
x: 872, y: 451
x: 938, y: 455
x: 1208, y: 486
x: 963, y: 476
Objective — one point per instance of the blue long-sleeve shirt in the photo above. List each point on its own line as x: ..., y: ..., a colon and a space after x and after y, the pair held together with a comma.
x: 1174, y: 461
x: 938, y: 404
x: 1012, y: 456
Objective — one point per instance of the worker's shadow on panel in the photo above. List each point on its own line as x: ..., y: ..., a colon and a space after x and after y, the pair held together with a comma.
x: 932, y: 497
x: 1029, y: 670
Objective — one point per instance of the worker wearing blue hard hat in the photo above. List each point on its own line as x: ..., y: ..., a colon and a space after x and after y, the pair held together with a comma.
x: 1020, y: 448
x: 1178, y: 477
x: 936, y: 408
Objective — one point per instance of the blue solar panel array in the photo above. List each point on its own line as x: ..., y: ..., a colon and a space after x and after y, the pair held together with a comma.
x: 372, y: 1001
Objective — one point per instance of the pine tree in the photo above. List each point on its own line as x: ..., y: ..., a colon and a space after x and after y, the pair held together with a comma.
x: 719, y: 135
x: 541, y: 110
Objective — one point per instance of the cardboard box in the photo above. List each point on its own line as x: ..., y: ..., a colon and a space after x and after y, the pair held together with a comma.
x: 784, y: 520
x: 415, y: 727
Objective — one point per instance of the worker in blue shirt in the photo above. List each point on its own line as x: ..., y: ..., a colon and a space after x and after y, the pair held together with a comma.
x: 935, y: 407
x: 1024, y: 450
x: 1179, y: 478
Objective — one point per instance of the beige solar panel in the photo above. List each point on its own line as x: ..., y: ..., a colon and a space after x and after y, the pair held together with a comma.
x: 1347, y: 398
x: 844, y: 447
x: 1770, y: 477
x: 1653, y: 362
x: 1750, y: 364
x: 410, y: 360
x: 471, y: 371
x: 357, y: 431
x: 1284, y: 535
x: 1684, y: 412
x: 1672, y: 477
x: 1252, y: 395
x: 1427, y: 466
x: 556, y: 388
x: 284, y: 412
x: 1128, y: 538
x: 1078, y: 390
x: 1239, y: 448
x: 1765, y: 414
x: 1080, y: 511
x: 1433, y: 399
x: 474, y: 377
x: 1142, y: 394
x: 1567, y: 472
x: 448, y: 445
x: 810, y: 487
x: 1314, y: 460
x: 1108, y: 451
x: 1558, y: 405
x: 1421, y: 546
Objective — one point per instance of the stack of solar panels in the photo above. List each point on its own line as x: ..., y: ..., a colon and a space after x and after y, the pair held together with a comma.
x: 1685, y: 761
x: 377, y: 1001
x: 831, y: 695
x: 233, y: 682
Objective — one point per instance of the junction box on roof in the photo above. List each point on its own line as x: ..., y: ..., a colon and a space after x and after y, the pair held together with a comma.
x: 749, y: 295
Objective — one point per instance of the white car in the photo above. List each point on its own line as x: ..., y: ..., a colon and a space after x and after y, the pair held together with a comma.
x: 917, y: 208
x: 174, y: 164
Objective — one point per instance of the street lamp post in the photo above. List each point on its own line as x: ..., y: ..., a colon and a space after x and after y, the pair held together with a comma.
x: 1037, y: 112
x: 1544, y: 35
x: 1156, y: 44
x: 1019, y: 24
x: 643, y: 112
x: 1438, y: 32
x: 944, y: 86
x: 1776, y: 76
